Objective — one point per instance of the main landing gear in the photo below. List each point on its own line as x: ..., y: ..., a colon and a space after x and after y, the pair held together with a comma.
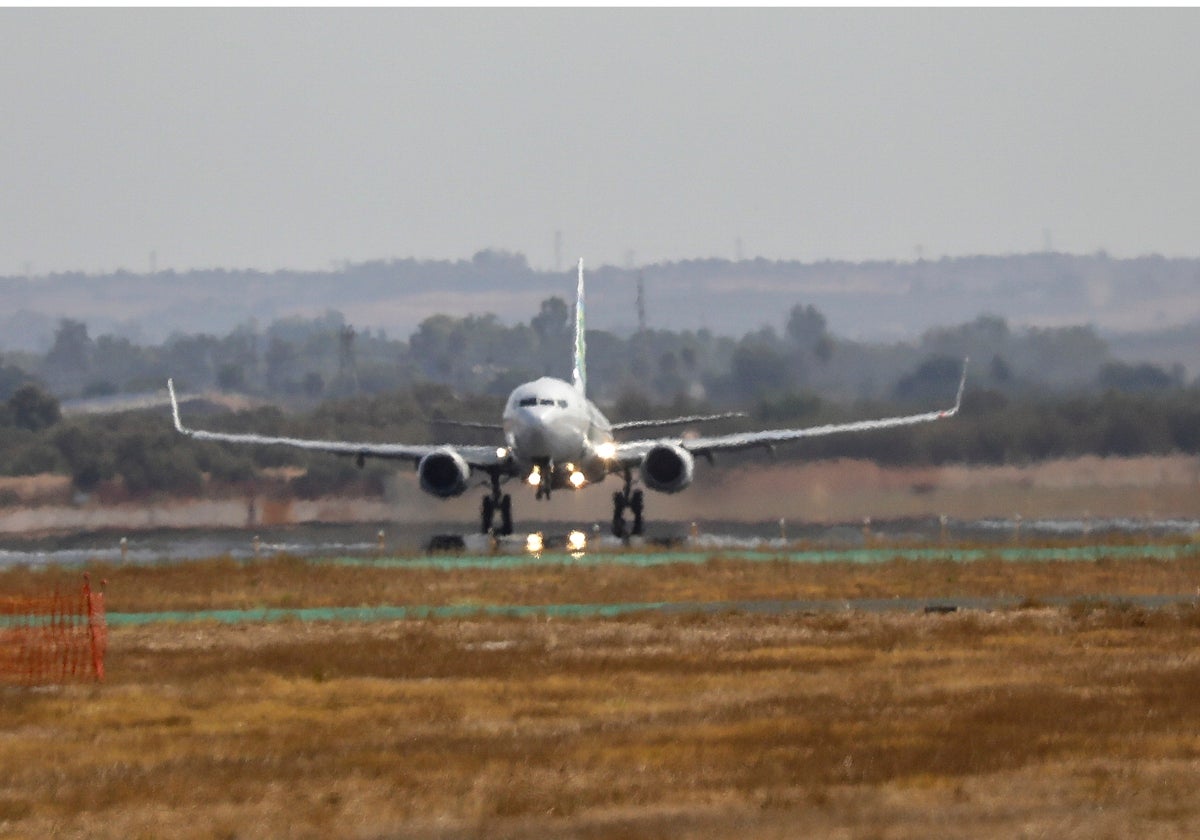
x: 497, y: 503
x: 635, y: 502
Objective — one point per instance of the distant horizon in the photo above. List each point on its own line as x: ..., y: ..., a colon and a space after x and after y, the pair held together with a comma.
x: 569, y: 265
x: 875, y: 300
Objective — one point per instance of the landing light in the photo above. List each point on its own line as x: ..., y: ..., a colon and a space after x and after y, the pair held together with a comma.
x: 576, y: 541
x: 607, y: 450
x: 533, y: 543
x: 535, y: 477
x: 501, y: 452
x: 577, y: 479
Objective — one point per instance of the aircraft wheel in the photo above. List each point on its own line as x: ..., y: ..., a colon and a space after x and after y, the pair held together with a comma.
x: 618, y: 521
x: 488, y: 513
x: 637, y: 505
x: 506, y: 523
x: 618, y: 526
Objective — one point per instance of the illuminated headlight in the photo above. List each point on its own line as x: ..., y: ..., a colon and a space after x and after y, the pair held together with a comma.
x: 501, y: 453
x: 535, y: 477
x: 577, y: 479
x: 607, y: 450
x: 533, y: 543
x: 576, y: 541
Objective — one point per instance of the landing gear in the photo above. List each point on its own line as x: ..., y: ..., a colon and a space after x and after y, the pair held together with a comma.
x: 618, y: 524
x: 545, y: 470
x: 635, y: 502
x: 497, y: 503
x: 488, y: 513
x: 506, y: 515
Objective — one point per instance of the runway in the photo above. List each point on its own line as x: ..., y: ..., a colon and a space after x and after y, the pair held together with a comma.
x: 854, y: 542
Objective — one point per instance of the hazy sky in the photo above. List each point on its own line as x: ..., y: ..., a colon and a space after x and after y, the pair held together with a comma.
x: 267, y: 138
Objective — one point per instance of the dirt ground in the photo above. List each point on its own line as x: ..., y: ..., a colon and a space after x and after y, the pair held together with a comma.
x: 1081, y: 721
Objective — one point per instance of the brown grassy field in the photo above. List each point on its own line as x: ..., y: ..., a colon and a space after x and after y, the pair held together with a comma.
x: 1082, y: 721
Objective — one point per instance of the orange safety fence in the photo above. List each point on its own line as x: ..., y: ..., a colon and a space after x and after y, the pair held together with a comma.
x: 56, y: 638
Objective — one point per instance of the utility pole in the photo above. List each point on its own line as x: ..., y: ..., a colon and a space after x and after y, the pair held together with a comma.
x: 347, y: 363
x: 641, y: 303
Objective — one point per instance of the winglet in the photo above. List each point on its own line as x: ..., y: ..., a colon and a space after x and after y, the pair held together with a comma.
x: 962, y: 384
x: 579, y: 373
x: 175, y: 408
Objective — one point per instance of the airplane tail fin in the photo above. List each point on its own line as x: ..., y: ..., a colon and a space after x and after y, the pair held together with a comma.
x: 579, y: 373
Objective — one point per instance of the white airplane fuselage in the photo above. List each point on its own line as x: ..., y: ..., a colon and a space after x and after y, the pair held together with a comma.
x: 550, y: 426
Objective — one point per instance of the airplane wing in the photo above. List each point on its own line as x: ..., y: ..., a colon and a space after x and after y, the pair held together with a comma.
x: 476, y: 456
x: 632, y: 452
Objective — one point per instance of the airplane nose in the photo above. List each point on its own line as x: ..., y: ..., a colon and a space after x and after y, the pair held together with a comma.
x: 539, y: 435
x: 533, y: 437
x: 533, y: 442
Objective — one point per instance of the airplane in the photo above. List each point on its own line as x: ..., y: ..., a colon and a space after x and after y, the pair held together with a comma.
x: 555, y: 438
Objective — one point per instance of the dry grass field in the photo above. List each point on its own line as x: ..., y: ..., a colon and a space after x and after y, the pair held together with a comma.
x: 1080, y: 721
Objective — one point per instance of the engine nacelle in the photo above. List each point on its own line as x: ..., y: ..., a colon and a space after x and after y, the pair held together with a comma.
x: 443, y: 473
x: 668, y: 468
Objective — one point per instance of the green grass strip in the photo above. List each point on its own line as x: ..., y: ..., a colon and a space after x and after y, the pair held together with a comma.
x: 381, y: 613
x: 865, y: 556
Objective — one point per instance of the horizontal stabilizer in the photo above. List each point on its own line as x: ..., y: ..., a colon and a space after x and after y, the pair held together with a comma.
x: 676, y: 421
x: 464, y: 424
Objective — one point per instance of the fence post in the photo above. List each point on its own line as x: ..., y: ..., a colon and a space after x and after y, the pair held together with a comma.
x: 97, y: 625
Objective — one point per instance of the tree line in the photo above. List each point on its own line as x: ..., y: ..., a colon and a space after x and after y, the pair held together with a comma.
x: 138, y: 454
x: 1033, y: 394
x: 300, y: 362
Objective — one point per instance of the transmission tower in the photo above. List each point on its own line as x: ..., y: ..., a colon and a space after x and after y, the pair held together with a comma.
x: 347, y: 362
x: 641, y: 303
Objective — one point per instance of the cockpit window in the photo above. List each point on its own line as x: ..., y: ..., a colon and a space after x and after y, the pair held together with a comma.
x: 527, y: 401
x: 546, y: 402
x: 562, y: 403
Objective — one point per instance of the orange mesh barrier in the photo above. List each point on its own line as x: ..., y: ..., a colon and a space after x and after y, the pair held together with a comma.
x: 53, y: 638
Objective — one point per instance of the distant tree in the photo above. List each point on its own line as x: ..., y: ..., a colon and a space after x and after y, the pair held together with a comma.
x: 932, y: 380
x: 435, y: 347
x: 632, y: 405
x: 551, y: 319
x: 807, y: 327
x: 12, y: 378
x: 280, y: 357
x: 999, y: 370
x: 33, y: 409
x: 759, y: 367
x: 1119, y: 376
x: 152, y: 461
x: 69, y: 359
x: 72, y: 347
x: 314, y: 384
x: 87, y: 457
x: 231, y: 377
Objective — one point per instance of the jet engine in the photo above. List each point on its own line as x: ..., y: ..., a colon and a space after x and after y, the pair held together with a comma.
x: 443, y: 473
x: 668, y: 468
